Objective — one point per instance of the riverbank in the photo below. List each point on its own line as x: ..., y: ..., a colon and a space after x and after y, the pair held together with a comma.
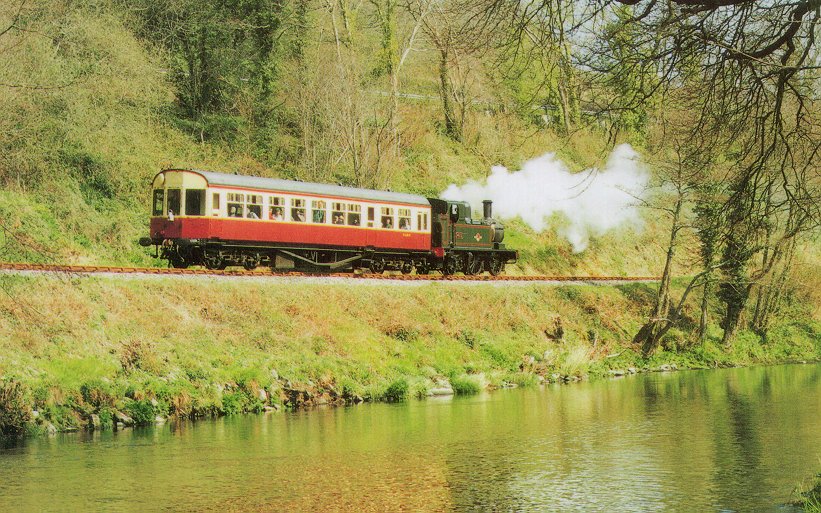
x: 86, y: 352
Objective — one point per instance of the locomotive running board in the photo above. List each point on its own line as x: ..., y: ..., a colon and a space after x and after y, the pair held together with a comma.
x: 330, y: 265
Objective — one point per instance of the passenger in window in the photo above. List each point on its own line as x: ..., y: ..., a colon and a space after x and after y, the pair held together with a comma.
x: 298, y: 215
x: 319, y: 216
x: 276, y: 214
x: 338, y: 219
x: 232, y: 212
x: 252, y: 215
x: 404, y: 224
x: 387, y: 222
x: 353, y: 220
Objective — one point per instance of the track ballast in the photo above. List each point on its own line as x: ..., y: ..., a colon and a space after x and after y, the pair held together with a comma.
x: 103, y: 269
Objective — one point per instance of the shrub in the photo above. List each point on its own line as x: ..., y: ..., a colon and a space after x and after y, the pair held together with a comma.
x: 400, y: 332
x: 469, y: 338
x: 97, y: 393
x: 419, y: 388
x: 138, y: 355
x: 234, y: 403
x: 106, y: 418
x: 15, y: 412
x: 465, y: 385
x: 142, y: 412
x: 397, y: 391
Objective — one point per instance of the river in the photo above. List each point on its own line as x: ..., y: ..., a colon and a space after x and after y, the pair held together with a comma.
x: 720, y: 440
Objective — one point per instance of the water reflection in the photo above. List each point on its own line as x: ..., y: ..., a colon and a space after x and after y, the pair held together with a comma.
x: 736, y: 439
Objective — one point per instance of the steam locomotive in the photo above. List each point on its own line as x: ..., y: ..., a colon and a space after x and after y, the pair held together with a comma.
x: 218, y: 220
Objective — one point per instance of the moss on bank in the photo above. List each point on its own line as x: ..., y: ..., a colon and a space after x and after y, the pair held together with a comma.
x: 96, y: 351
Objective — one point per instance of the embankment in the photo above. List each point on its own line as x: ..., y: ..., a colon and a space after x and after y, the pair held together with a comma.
x: 80, y: 352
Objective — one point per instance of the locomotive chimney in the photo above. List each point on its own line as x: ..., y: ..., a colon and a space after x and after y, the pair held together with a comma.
x: 488, y: 208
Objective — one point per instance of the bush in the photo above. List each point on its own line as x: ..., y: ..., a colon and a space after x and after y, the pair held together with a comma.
x: 142, y: 412
x: 106, y: 418
x: 15, y: 412
x: 465, y: 385
x: 397, y: 391
x: 234, y: 403
x: 97, y: 393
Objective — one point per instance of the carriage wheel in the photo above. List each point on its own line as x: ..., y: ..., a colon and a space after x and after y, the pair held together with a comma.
x: 177, y: 262
x: 377, y: 266
x: 407, y: 268
x: 251, y: 262
x: 213, y: 261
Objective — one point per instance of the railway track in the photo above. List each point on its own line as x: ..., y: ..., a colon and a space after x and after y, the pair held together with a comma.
x: 262, y: 272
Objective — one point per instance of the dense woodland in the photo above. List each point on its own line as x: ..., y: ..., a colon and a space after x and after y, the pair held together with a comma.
x: 721, y: 97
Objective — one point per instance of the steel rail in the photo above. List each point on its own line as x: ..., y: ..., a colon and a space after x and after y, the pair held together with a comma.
x: 92, y: 269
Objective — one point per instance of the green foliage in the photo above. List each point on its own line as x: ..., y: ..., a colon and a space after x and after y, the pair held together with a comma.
x: 397, y: 391
x: 106, y: 418
x: 221, y: 54
x: 810, y: 500
x: 234, y: 403
x: 15, y: 411
x: 141, y: 411
x: 465, y: 385
x: 98, y: 394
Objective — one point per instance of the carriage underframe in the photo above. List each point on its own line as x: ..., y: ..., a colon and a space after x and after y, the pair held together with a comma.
x: 182, y: 253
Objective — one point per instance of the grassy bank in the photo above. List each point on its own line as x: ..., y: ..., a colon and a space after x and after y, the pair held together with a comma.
x: 82, y: 351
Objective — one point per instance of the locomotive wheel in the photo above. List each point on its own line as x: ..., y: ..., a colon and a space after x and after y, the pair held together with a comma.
x: 496, y: 266
x: 423, y: 268
x: 474, y: 267
x: 407, y: 268
x: 451, y: 266
x: 377, y: 266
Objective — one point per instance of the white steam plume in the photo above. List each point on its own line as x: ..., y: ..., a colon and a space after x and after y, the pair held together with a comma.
x: 592, y: 202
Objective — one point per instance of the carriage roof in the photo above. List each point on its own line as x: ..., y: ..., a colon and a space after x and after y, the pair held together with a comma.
x: 294, y: 186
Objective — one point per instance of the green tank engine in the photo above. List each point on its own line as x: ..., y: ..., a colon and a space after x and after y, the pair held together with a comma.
x: 465, y: 244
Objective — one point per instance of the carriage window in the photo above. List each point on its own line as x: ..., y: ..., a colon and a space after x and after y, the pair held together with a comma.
x: 338, y: 213
x: 422, y: 219
x: 174, y: 201
x: 354, y: 214
x: 195, y: 202
x: 159, y: 199
x: 387, y: 217
x: 298, y: 210
x: 235, y: 204
x: 254, y: 207
x: 276, y: 208
x: 215, y: 204
x: 404, y: 219
x: 318, y: 211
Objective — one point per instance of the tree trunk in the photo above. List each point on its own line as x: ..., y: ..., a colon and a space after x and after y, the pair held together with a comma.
x: 451, y: 126
x: 650, y: 334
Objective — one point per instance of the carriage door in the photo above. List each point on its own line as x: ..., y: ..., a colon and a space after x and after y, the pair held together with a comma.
x: 371, y: 235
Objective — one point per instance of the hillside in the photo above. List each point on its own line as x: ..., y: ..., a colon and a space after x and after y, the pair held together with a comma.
x: 94, y: 120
